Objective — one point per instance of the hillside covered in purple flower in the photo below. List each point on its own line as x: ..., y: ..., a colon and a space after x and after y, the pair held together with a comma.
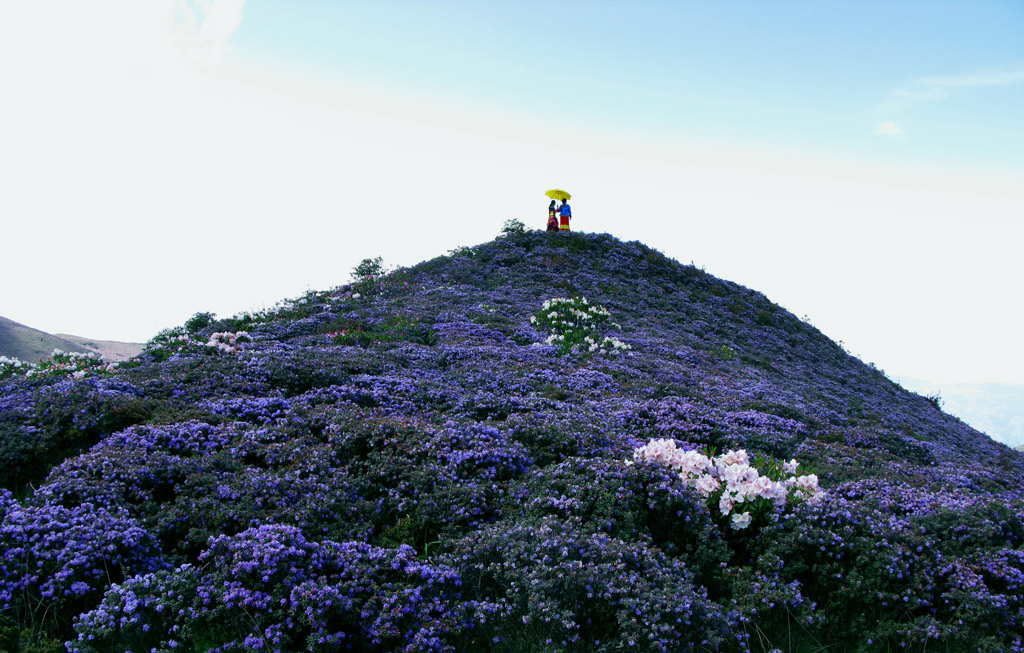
x: 483, y: 452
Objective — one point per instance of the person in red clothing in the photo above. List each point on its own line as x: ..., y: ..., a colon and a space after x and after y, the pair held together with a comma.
x: 552, y: 217
x: 566, y: 214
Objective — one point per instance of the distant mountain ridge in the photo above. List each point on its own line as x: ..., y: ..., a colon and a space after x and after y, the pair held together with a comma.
x: 32, y: 345
x: 996, y: 409
x: 111, y: 350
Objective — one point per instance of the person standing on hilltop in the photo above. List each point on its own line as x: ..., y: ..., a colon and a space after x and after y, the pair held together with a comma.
x: 566, y: 214
x: 552, y: 219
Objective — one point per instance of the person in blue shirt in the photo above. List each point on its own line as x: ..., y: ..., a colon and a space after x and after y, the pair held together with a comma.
x: 566, y: 214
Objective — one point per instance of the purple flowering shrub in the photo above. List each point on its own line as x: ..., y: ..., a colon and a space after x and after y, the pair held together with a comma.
x: 631, y: 502
x: 58, y: 561
x: 449, y: 481
x: 554, y: 431
x: 256, y: 410
x: 41, y: 424
x: 560, y: 588
x: 231, y: 499
x: 420, y: 483
x: 271, y: 588
x: 189, y: 482
x: 294, y: 372
x: 138, y: 468
x: 904, y: 566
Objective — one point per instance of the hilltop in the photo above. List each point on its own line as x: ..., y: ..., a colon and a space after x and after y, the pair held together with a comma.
x: 544, y: 442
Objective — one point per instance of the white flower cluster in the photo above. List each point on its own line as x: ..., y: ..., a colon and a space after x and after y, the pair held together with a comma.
x: 607, y: 344
x: 74, y: 364
x: 573, y: 324
x: 561, y: 309
x: 13, y: 362
x: 732, y: 479
x: 227, y: 342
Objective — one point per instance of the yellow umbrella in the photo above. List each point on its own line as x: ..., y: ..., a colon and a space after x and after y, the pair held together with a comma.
x: 557, y: 194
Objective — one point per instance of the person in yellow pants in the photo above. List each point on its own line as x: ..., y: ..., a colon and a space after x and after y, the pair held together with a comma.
x: 566, y: 214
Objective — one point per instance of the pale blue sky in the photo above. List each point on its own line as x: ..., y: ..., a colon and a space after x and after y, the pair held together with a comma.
x: 860, y: 163
x: 804, y: 75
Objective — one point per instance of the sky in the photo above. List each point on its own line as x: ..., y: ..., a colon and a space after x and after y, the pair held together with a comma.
x: 861, y: 164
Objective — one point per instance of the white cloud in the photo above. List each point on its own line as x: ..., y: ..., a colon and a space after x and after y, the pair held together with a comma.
x: 121, y: 144
x: 1004, y: 78
x: 936, y: 89
x: 925, y: 94
x: 887, y: 129
x: 939, y: 88
x: 98, y: 40
x: 203, y: 28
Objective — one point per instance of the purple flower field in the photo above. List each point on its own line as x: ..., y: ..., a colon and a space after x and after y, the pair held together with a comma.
x: 467, y: 456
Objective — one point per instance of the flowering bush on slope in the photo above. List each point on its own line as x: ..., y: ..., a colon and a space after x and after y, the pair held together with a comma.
x: 629, y: 502
x: 42, y: 422
x: 61, y: 364
x: 734, y: 486
x: 174, y: 341
x: 58, y: 561
x: 904, y: 566
x: 270, y: 588
x: 12, y: 367
x: 574, y: 324
x: 560, y: 589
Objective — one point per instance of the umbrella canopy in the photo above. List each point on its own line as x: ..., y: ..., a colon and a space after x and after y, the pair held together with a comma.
x: 557, y: 194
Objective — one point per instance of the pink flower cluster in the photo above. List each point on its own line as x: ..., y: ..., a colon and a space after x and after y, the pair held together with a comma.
x: 227, y: 342
x: 731, y: 482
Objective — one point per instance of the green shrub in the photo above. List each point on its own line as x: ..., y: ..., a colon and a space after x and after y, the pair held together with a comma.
x: 513, y: 226
x: 394, y: 328
x: 368, y: 269
x: 725, y: 352
x: 199, y: 321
